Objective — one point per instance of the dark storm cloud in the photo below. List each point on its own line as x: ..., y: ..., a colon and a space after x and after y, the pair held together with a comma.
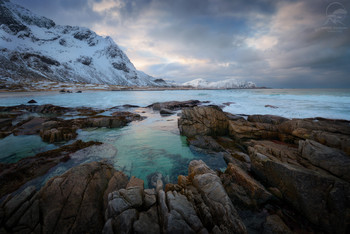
x: 273, y: 43
x: 64, y: 12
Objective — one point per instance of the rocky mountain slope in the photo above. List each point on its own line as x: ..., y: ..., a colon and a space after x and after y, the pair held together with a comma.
x: 223, y: 84
x: 35, y: 48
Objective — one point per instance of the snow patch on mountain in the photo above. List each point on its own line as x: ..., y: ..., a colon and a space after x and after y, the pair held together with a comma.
x: 224, y: 84
x: 35, y: 48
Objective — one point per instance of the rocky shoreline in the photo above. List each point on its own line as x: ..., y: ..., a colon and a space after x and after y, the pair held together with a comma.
x: 282, y: 176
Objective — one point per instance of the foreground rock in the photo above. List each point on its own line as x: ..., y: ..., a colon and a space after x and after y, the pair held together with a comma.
x: 70, y: 203
x: 13, y: 175
x: 94, y: 198
x: 278, y: 163
x: 320, y: 197
x: 197, y: 204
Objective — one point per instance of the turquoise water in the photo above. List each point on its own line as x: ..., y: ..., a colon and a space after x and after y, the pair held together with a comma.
x: 291, y: 103
x: 14, y: 148
x: 153, y: 147
x: 148, y: 148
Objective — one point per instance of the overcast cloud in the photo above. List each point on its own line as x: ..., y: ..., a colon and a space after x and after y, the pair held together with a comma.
x: 272, y: 43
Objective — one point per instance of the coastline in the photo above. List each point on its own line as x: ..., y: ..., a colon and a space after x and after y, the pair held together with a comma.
x: 265, y: 158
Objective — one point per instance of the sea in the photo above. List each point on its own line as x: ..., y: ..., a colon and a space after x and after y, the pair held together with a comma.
x: 153, y: 148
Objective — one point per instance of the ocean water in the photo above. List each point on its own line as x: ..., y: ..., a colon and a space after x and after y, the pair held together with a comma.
x: 153, y: 147
x: 291, y: 103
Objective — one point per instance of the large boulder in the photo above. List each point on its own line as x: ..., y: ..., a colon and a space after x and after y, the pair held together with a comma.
x: 216, y: 204
x: 70, y: 203
x: 319, y: 196
x: 333, y: 160
x: 203, y: 120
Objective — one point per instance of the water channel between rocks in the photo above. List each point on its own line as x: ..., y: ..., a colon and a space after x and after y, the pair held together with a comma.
x: 148, y: 149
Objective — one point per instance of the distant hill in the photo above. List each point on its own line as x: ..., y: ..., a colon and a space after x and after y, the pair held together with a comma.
x: 224, y: 84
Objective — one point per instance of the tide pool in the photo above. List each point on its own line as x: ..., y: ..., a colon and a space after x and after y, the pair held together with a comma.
x: 153, y: 148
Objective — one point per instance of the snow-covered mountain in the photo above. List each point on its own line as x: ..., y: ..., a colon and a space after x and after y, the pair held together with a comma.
x: 224, y: 84
x: 35, y: 48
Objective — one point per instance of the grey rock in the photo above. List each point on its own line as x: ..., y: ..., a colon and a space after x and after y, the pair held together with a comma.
x: 148, y: 222
x: 116, y: 206
x: 275, y: 225
x: 215, y: 197
x: 149, y: 197
x: 108, y: 227
x: 323, y: 199
x: 182, y: 206
x: 132, y: 195
x: 175, y: 224
x: 123, y: 223
x: 333, y: 160
x: 165, y: 111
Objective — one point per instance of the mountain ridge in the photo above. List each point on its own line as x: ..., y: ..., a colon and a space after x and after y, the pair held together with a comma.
x: 223, y: 84
x: 34, y: 48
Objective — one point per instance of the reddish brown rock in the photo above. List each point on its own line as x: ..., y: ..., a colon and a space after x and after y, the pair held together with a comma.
x: 242, y: 188
x: 135, y: 182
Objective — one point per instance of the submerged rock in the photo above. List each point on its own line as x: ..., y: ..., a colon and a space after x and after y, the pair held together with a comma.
x: 13, y: 175
x: 30, y: 126
x: 65, y: 130
x: 53, y: 129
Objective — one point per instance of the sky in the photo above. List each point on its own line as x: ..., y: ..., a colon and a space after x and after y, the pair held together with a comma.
x: 279, y: 44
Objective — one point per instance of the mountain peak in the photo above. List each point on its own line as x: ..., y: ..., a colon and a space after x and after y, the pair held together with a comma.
x: 33, y: 47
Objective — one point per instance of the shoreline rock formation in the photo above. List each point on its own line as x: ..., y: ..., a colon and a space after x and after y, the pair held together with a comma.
x: 303, y: 162
x: 282, y: 176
